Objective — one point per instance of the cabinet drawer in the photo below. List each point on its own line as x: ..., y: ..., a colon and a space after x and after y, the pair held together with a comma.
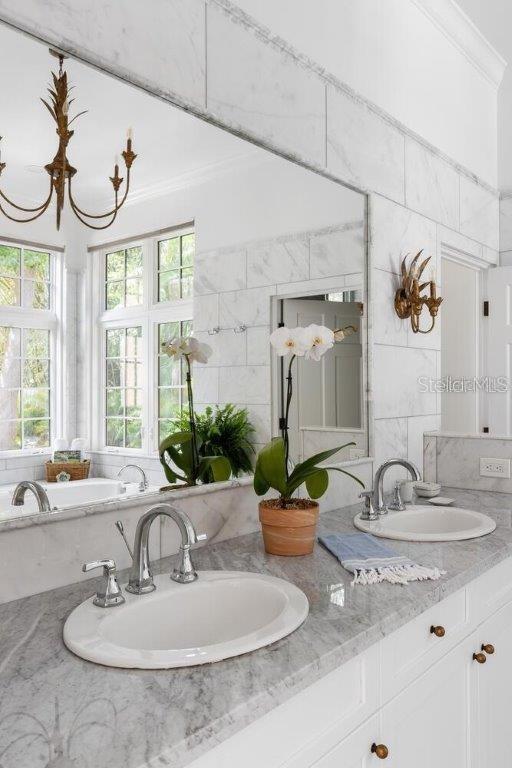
x: 298, y: 732
x: 355, y: 750
x: 490, y: 592
x: 412, y: 649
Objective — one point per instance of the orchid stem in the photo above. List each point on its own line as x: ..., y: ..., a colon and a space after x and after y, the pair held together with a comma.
x: 284, y: 431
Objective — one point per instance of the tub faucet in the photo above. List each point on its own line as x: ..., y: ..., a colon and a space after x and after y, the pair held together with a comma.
x: 378, y: 486
x: 143, y: 485
x: 141, y: 578
x: 18, y: 497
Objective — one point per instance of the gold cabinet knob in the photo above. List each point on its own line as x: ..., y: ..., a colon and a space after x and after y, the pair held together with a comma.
x: 488, y: 649
x: 480, y: 657
x: 438, y: 631
x: 380, y: 750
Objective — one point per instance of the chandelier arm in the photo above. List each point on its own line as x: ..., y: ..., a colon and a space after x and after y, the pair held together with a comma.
x: 29, y: 210
x: 32, y: 218
x: 86, y: 223
x: 115, y: 210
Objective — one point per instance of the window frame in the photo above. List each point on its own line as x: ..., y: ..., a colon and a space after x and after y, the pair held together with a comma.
x: 148, y: 315
x: 44, y: 319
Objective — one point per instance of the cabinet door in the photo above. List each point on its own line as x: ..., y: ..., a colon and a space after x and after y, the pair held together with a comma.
x: 492, y: 687
x: 427, y: 724
x: 355, y: 751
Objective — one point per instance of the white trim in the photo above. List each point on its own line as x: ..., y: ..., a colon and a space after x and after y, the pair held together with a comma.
x: 464, y: 35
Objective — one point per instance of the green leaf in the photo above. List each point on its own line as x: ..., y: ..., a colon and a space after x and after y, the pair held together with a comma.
x: 170, y: 474
x: 317, y: 458
x: 175, y: 439
x: 260, y: 484
x: 272, y: 465
x: 219, y: 466
x: 294, y: 483
x: 349, y: 474
x: 317, y: 484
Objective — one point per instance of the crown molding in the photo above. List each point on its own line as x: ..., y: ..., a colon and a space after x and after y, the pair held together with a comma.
x: 449, y: 17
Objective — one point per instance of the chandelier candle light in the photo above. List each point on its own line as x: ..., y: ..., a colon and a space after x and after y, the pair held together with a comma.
x: 61, y: 171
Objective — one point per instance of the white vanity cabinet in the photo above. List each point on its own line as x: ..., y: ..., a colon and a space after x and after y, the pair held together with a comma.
x: 437, y: 692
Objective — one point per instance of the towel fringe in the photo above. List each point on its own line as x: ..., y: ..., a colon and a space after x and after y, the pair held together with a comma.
x: 396, y: 574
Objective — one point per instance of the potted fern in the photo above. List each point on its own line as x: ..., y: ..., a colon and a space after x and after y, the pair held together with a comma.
x: 289, y: 523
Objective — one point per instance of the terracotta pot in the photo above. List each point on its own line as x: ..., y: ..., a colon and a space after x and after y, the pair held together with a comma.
x: 291, y: 531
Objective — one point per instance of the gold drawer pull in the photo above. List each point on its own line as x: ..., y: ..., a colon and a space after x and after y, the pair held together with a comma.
x: 380, y: 750
x: 488, y: 649
x: 480, y: 657
x: 438, y: 631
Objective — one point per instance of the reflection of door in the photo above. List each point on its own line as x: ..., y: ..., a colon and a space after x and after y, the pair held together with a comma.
x: 499, y: 291
x: 326, y: 393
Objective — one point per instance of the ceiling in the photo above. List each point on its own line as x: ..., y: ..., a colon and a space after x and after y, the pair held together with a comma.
x: 170, y: 143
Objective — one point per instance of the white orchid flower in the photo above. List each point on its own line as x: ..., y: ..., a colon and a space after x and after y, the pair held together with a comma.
x: 187, y: 346
x: 319, y: 339
x: 289, y: 341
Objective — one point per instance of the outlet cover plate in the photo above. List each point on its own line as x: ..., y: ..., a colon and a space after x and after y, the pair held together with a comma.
x: 495, y: 468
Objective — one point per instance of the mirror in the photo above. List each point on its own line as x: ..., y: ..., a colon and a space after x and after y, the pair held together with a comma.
x: 217, y: 238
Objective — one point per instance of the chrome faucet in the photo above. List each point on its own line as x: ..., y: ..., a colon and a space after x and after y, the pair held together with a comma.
x: 18, y: 497
x: 143, y: 485
x: 378, y: 486
x: 141, y: 578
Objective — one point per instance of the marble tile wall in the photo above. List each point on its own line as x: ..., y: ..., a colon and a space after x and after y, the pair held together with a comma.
x: 454, y: 460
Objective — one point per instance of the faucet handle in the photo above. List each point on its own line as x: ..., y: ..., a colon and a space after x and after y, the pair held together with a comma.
x: 368, y: 512
x: 110, y: 594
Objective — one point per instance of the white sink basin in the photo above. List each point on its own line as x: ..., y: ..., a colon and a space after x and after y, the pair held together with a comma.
x: 222, y: 614
x: 429, y: 523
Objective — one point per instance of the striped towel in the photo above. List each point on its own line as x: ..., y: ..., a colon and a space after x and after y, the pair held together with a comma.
x: 372, y: 562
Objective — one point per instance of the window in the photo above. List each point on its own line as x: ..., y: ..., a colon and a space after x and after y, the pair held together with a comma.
x: 24, y: 278
x: 145, y: 298
x: 123, y: 278
x: 172, y: 388
x: 175, y: 267
x: 123, y: 392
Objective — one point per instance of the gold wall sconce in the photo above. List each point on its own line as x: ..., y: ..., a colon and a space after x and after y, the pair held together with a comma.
x: 409, y: 301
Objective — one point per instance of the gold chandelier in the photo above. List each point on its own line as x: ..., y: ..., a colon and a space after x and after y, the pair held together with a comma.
x: 60, y: 170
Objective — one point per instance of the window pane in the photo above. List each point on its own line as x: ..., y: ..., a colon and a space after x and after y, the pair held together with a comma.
x: 10, y: 373
x: 115, y: 433
x: 134, y: 262
x: 36, y: 265
x: 133, y: 401
x: 36, y: 433
x: 168, y: 331
x: 10, y: 435
x: 168, y: 403
x: 36, y: 295
x: 115, y: 295
x: 165, y: 428
x: 134, y: 433
x: 169, y: 285
x: 186, y: 328
x: 36, y: 402
x: 10, y: 259
x: 188, y: 246
x: 169, y: 254
x: 115, y: 342
x: 10, y: 342
x: 134, y: 342
x: 187, y: 282
x: 9, y: 292
x: 115, y: 405
x: 10, y: 404
x: 115, y: 265
x: 168, y: 371
x: 115, y: 373
x: 133, y: 292
x: 133, y: 374
x: 36, y: 342
x: 36, y: 373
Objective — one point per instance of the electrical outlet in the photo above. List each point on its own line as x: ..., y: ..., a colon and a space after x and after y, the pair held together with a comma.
x: 356, y: 453
x: 495, y: 468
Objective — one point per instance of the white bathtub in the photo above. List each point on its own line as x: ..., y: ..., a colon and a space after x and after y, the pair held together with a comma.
x: 76, y: 493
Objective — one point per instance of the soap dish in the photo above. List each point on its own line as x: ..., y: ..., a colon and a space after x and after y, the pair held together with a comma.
x: 441, y: 501
x: 427, y: 490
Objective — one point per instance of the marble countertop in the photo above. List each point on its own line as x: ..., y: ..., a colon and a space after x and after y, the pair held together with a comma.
x: 57, y: 711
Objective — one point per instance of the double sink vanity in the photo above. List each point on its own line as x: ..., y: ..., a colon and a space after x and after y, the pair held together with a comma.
x: 323, y: 673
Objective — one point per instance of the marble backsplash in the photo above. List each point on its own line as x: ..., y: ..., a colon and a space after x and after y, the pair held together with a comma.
x: 454, y: 460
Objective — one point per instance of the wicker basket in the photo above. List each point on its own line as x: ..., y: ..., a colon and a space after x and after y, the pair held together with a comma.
x: 78, y: 470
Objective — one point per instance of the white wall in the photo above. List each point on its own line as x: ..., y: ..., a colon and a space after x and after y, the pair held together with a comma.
x: 395, y: 55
